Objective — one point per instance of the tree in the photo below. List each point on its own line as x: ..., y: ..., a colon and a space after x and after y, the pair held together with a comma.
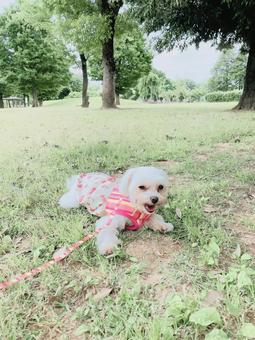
x: 150, y: 86
x: 184, y: 22
x: 5, y: 63
x: 109, y: 9
x: 39, y: 61
x: 155, y: 86
x: 105, y: 13
x: 228, y: 72
x: 84, y: 28
x: 132, y: 61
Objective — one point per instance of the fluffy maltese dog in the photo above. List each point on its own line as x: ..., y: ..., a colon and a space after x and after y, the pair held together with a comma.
x: 128, y: 202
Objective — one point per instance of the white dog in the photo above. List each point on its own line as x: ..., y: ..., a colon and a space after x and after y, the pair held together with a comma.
x: 127, y: 202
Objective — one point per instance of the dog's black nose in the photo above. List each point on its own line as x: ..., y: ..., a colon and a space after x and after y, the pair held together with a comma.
x: 154, y: 199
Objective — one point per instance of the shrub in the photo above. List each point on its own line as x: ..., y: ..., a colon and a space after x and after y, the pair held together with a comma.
x: 94, y: 91
x: 74, y: 94
x: 223, y: 96
x: 64, y: 93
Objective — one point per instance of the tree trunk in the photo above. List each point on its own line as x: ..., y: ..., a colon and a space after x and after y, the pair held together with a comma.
x: 35, y: 102
x: 117, y: 99
x: 1, y: 101
x: 247, y: 100
x: 109, y: 11
x: 85, y: 98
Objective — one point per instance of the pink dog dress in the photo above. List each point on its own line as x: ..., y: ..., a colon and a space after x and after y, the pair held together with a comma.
x: 99, y: 193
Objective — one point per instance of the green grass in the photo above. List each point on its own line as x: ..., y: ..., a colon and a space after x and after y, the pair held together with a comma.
x: 208, y: 152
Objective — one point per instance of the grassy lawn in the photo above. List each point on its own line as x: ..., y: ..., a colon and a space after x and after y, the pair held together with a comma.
x: 195, y: 283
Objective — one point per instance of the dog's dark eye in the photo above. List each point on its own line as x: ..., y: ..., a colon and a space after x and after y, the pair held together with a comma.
x: 142, y: 187
x: 160, y: 187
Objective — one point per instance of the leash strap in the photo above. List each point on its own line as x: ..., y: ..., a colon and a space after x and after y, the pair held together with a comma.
x: 57, y: 258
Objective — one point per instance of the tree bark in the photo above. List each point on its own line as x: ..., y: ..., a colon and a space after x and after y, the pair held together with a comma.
x: 110, y: 11
x: 1, y: 101
x: 24, y: 100
x: 35, y: 102
x: 247, y: 100
x: 117, y: 99
x: 85, y: 98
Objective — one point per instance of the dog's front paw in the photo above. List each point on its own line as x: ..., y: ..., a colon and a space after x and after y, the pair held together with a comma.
x: 107, y: 247
x: 164, y: 227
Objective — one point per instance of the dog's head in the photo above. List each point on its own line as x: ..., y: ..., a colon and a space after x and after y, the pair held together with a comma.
x: 146, y: 188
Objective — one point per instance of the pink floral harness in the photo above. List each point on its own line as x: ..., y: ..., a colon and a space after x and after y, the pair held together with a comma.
x: 113, y: 204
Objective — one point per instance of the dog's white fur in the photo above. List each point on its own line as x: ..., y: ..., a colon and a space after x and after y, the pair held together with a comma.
x: 141, y: 185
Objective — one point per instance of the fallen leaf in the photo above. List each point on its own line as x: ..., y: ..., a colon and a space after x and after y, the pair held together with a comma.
x: 60, y: 253
x: 178, y: 213
x: 23, y: 244
x: 208, y: 208
x: 102, y: 293
x: 251, y: 195
x: 237, y: 252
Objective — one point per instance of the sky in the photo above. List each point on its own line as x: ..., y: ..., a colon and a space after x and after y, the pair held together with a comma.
x: 191, y: 64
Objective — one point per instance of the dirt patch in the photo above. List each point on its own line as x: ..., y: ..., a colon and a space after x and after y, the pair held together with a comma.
x: 222, y: 147
x: 154, y: 250
x: 168, y: 163
x: 246, y: 236
x: 202, y: 157
x: 243, y: 215
x: 178, y: 180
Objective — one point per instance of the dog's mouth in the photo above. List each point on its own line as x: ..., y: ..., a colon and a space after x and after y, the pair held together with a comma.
x: 150, y: 208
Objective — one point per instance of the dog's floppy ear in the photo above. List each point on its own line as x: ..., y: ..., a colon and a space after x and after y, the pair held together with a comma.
x: 126, y: 180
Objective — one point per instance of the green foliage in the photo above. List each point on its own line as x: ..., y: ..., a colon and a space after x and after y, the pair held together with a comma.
x: 191, y: 22
x: 210, y: 253
x: 6, y: 70
x: 156, y: 86
x: 75, y: 84
x: 229, y: 71
x: 205, y: 316
x: 248, y: 330
x: 150, y: 86
x: 221, y: 96
x: 38, y: 61
x: 94, y: 91
x: 217, y: 334
x: 74, y: 94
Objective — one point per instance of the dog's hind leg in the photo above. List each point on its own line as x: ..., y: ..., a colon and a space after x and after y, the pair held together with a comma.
x: 70, y: 198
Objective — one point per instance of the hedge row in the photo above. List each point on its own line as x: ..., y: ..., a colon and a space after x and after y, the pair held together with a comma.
x: 221, y: 96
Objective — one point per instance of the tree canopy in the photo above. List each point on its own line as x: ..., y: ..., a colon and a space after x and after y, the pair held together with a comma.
x: 38, y: 62
x: 229, y: 71
x: 185, y: 22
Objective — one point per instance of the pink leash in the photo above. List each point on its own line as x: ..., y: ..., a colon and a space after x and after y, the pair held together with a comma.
x: 56, y: 259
